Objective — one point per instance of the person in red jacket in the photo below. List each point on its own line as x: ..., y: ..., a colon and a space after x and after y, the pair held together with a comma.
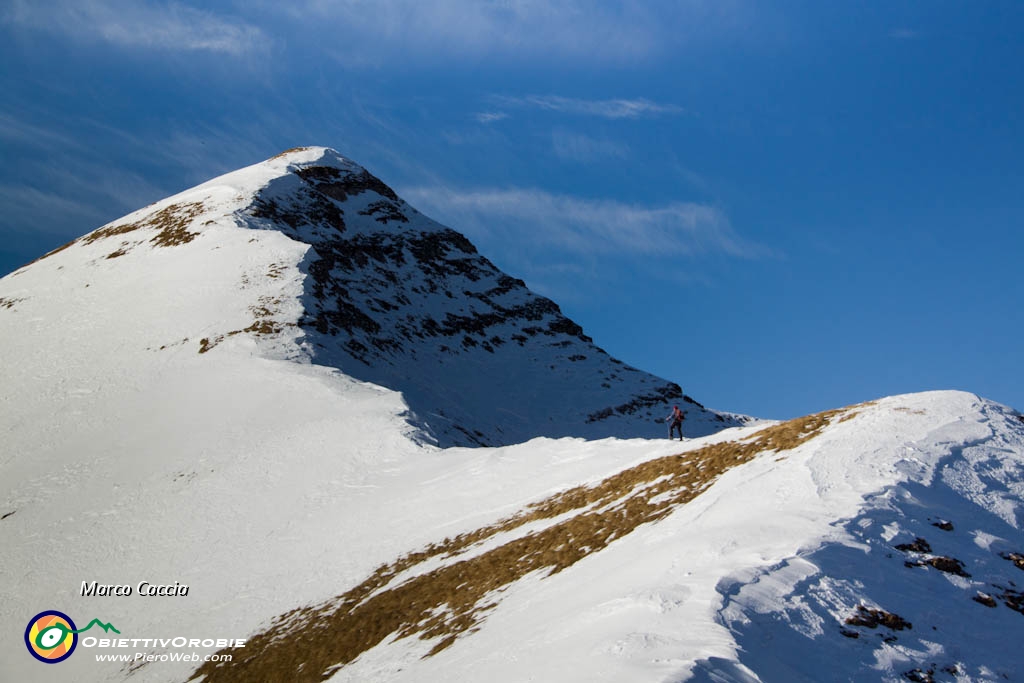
x: 675, y: 421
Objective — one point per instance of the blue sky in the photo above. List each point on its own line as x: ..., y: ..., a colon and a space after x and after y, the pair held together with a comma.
x: 785, y: 207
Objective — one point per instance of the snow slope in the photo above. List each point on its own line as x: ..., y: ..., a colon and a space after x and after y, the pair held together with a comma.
x: 168, y: 416
x: 756, y: 576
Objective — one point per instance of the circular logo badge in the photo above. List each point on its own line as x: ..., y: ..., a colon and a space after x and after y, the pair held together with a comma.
x: 50, y: 636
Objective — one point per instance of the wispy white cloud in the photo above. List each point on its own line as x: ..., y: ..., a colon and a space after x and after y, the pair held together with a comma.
x: 584, y: 226
x: 76, y: 173
x: 29, y: 209
x: 565, y: 245
x: 490, y: 116
x: 609, y: 109
x: 170, y: 26
x: 611, y: 31
x: 15, y: 130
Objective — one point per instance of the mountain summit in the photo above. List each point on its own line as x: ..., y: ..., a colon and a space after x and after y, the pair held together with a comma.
x: 321, y: 261
x: 184, y: 403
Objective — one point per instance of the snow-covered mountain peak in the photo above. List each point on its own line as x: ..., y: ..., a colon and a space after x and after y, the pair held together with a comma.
x: 314, y: 156
x: 184, y: 402
x: 309, y: 257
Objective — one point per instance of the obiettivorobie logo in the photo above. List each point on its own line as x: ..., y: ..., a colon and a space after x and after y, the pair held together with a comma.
x: 51, y: 636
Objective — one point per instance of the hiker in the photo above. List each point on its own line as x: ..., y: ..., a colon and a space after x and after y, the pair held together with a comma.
x: 676, y: 422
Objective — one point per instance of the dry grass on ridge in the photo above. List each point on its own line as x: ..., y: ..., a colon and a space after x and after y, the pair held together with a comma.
x: 172, y: 223
x: 310, y: 643
x: 288, y: 151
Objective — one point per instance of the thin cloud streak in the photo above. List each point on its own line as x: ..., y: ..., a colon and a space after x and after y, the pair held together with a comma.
x: 609, y: 109
x: 585, y: 226
x: 490, y: 116
x: 30, y: 210
x: 17, y: 131
x: 166, y: 26
x: 372, y: 30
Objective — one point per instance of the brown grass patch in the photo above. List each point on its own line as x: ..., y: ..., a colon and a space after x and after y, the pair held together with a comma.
x: 288, y: 151
x: 112, y: 231
x: 171, y: 221
x: 904, y: 409
x: 9, y: 302
x: 311, y: 643
x: 264, y: 325
x: 167, y: 346
x: 51, y: 253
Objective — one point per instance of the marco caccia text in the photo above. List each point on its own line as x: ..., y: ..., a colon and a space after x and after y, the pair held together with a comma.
x: 144, y: 588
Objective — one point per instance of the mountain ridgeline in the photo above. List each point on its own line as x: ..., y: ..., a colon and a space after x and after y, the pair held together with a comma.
x: 238, y: 388
x: 397, y: 299
x: 392, y: 297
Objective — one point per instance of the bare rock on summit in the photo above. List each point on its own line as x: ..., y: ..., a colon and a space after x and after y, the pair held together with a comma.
x: 397, y: 299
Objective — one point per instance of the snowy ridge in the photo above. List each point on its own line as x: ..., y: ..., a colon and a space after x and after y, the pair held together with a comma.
x: 170, y: 413
x: 939, y: 548
x: 715, y: 573
x: 336, y: 269
x: 806, y: 545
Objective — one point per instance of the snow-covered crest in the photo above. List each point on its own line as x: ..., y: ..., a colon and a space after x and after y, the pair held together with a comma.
x: 184, y: 398
x: 369, y: 285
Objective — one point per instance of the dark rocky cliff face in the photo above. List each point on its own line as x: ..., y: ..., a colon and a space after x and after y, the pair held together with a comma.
x: 395, y: 298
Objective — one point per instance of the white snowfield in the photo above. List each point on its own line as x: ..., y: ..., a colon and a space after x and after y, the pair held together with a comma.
x: 266, y: 483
